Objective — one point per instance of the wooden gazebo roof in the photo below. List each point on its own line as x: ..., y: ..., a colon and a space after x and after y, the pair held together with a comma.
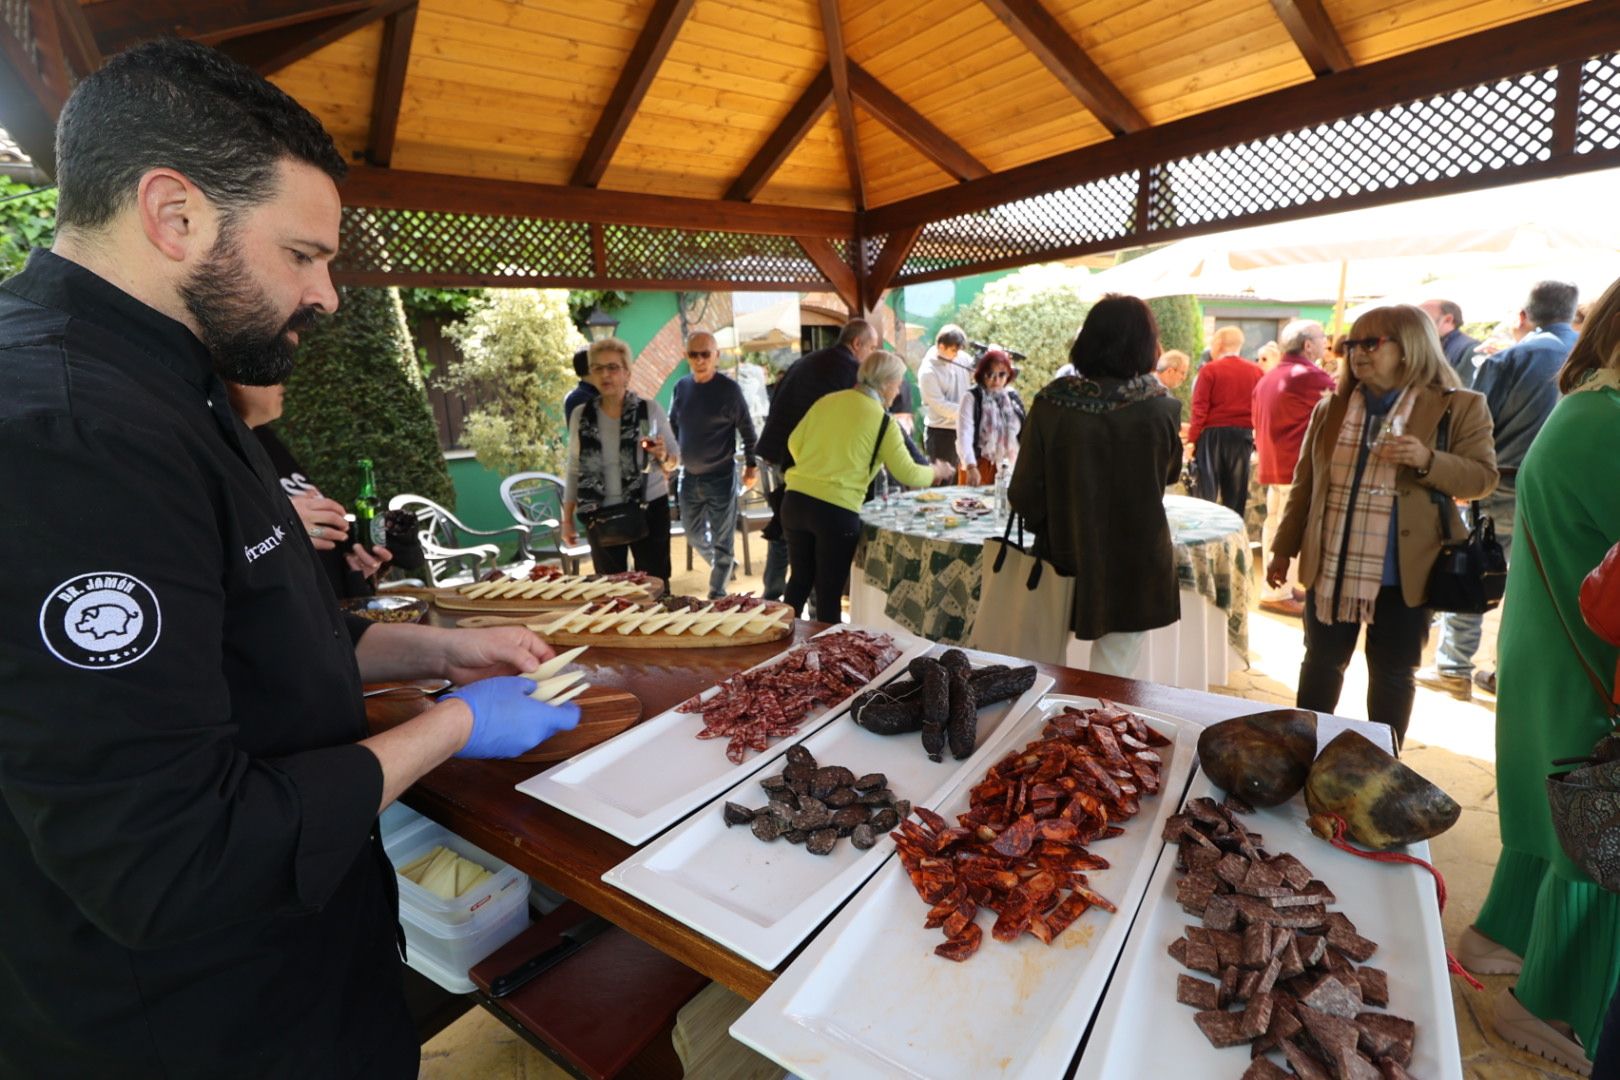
x: 856, y: 144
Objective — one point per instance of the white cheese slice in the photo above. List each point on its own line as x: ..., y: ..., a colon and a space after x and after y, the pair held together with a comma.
x: 704, y: 623
x: 609, y: 619
x: 531, y: 589
x: 679, y: 624
x: 569, y: 695
x: 732, y: 623
x: 477, y: 589
x: 658, y: 619
x: 581, y: 619
x: 557, y: 624
x: 636, y: 616
x: 550, y: 688
x: 555, y: 664
x: 760, y: 623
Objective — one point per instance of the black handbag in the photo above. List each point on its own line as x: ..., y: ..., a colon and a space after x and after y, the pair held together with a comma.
x: 623, y: 522
x: 1469, y: 575
x: 1584, y: 802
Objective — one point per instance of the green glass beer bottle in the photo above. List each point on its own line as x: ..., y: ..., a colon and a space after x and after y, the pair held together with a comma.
x: 366, y: 505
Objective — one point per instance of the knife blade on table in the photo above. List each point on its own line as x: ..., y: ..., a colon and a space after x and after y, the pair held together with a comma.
x: 573, y: 939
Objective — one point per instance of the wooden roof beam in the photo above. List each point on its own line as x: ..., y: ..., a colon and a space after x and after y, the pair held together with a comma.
x: 888, y: 263
x: 913, y: 127
x: 30, y: 104
x: 403, y: 190
x: 1544, y: 41
x: 268, y: 51
x: 392, y: 60
x: 832, y: 28
x: 118, y: 24
x: 1313, y: 31
x: 840, y: 275
x: 1045, y: 37
x: 640, y: 68
x: 78, y: 40
x: 780, y: 143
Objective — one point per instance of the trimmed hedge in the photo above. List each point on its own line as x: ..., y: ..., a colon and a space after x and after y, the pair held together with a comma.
x: 357, y: 392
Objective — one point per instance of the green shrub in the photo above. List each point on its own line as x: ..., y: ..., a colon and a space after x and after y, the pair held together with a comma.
x: 357, y: 392
x: 1037, y: 311
x: 27, y: 221
x: 1181, y: 326
x: 517, y: 348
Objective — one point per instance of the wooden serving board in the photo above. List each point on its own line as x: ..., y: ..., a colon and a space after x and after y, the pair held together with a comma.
x: 452, y: 600
x: 665, y: 641
x: 604, y: 711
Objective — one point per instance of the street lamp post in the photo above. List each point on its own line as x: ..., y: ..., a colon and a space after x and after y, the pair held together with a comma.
x: 601, y: 325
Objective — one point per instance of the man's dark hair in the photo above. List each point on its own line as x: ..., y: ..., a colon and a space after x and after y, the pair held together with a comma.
x: 180, y: 105
x: 1552, y: 302
x: 857, y: 330
x: 1119, y: 339
x: 949, y: 336
x: 1448, y: 307
x: 582, y: 363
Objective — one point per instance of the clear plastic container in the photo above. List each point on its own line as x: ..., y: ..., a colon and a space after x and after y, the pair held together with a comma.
x: 445, y: 938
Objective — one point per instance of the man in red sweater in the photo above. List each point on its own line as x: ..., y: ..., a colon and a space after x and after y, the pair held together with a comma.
x: 1222, y: 429
x: 1284, y: 399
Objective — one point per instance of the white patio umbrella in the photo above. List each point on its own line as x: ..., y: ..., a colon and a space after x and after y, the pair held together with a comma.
x: 1377, y: 251
x: 1498, y: 293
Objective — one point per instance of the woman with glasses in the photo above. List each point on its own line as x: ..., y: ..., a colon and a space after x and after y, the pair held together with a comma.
x: 990, y: 419
x: 617, y: 453
x: 1364, y: 514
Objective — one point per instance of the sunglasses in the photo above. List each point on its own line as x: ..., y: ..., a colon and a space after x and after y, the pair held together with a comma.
x: 698, y: 354
x: 1366, y: 344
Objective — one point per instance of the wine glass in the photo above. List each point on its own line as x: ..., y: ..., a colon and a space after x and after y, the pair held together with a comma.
x: 1381, y: 431
x: 649, y: 440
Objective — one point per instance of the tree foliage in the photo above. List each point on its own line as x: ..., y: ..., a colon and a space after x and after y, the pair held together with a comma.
x: 444, y: 305
x: 1181, y: 326
x: 1037, y: 311
x: 517, y: 347
x: 27, y: 221
x: 581, y: 302
x: 357, y: 392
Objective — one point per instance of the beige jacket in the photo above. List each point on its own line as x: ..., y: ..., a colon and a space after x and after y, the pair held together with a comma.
x: 1466, y: 471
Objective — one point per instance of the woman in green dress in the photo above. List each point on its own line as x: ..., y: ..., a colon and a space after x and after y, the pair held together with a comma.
x: 1543, y: 916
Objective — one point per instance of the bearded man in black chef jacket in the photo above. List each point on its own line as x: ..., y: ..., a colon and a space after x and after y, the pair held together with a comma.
x: 192, y: 881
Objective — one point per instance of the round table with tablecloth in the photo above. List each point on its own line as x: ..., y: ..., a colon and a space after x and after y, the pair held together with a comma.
x: 915, y: 572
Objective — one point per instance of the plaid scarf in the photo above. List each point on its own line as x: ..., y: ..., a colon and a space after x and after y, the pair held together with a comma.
x: 1361, y: 519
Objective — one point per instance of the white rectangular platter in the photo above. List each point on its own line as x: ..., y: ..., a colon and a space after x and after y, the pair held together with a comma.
x: 869, y: 999
x: 643, y: 780
x: 762, y: 899
x: 1141, y: 1026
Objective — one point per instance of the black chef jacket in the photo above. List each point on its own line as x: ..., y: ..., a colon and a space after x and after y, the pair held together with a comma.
x: 190, y: 883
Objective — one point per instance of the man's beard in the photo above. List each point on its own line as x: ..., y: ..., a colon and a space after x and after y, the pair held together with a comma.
x: 238, y: 325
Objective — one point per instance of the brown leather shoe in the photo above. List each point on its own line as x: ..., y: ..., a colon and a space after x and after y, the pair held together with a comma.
x: 1294, y: 609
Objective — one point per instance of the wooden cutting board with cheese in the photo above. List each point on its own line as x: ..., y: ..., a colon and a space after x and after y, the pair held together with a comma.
x: 548, y: 593
x: 678, y: 624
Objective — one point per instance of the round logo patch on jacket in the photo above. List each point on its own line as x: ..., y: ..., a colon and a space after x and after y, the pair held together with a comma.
x: 100, y: 620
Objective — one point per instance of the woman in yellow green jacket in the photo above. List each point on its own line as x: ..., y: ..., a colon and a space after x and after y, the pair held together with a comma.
x: 836, y: 450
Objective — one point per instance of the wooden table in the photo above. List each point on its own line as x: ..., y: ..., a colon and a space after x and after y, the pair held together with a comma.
x: 477, y: 800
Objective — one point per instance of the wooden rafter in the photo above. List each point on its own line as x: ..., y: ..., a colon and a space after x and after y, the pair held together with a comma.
x: 913, y: 127
x: 1533, y: 44
x: 271, y: 50
x: 1313, y: 32
x: 832, y: 29
x: 31, y: 106
x: 1045, y: 37
x: 840, y: 275
x: 788, y: 134
x: 78, y: 40
x: 887, y: 265
x: 640, y: 68
x: 403, y: 190
x: 392, y: 60
x: 118, y: 24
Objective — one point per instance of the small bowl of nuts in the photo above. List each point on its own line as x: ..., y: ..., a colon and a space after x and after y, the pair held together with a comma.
x: 394, y: 609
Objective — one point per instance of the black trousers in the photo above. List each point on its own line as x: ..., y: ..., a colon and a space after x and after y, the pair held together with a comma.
x: 940, y: 445
x: 1395, y: 643
x: 1222, y: 461
x: 651, y: 551
x: 821, y: 546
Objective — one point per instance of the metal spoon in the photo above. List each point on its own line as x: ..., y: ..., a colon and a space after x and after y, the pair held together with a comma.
x: 423, y: 687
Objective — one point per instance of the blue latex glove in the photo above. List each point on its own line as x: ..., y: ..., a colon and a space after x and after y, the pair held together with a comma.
x: 506, y: 720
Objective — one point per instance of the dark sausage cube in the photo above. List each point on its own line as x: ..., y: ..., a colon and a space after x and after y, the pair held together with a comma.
x: 1198, y: 993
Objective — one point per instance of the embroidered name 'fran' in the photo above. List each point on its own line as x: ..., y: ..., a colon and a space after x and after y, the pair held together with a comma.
x: 265, y: 546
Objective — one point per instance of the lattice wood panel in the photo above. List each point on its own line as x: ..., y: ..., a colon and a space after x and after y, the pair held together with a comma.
x: 1091, y: 213
x: 421, y: 242
x: 681, y: 255
x: 18, y: 16
x: 1598, y: 124
x: 1482, y: 128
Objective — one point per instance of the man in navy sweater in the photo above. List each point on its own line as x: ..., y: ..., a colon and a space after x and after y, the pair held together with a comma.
x: 1520, y: 385
x: 708, y: 413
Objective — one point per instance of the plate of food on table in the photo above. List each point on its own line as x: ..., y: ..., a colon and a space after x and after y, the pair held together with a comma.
x: 544, y: 588
x: 674, y: 622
